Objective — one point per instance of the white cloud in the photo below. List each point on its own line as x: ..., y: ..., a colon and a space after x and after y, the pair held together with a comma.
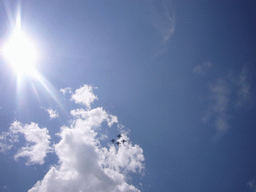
x: 220, y: 93
x: 202, y: 69
x: 227, y: 95
x: 53, y: 113
x: 163, y: 18
x: 252, y: 185
x: 84, y: 96
x: 66, y: 90
x: 221, y: 123
x: 86, y: 165
x: 244, y: 90
x: 127, y: 158
x: 37, y: 141
x: 6, y: 141
x: 95, y: 116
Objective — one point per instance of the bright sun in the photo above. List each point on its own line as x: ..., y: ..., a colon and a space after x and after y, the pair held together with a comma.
x: 20, y: 51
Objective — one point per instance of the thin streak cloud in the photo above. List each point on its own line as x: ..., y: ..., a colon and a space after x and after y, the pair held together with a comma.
x: 163, y: 19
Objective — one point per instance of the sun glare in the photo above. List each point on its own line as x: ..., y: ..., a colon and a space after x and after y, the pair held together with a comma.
x: 20, y: 51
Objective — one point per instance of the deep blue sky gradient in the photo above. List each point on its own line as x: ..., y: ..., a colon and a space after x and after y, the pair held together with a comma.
x: 148, y: 84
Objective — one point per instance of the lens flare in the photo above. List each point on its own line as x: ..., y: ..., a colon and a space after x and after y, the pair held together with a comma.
x: 21, y: 54
x: 20, y: 51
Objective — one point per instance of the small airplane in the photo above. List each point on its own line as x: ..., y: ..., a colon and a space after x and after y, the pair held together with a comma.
x: 119, y: 136
x: 113, y: 140
x: 123, y: 141
x: 117, y: 143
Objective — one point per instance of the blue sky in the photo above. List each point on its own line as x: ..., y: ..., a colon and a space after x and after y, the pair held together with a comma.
x: 175, y: 78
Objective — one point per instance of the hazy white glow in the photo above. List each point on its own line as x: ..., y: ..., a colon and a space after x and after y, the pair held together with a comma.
x: 20, y: 51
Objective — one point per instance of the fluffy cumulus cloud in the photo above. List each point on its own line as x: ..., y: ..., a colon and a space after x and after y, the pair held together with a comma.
x: 53, y: 113
x: 84, y: 95
x: 37, y: 143
x: 84, y: 163
x: 227, y: 94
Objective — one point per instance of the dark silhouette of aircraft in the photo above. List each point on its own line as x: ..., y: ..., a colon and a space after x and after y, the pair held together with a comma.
x: 112, y: 140
x: 119, y: 136
x: 123, y: 141
x: 117, y: 143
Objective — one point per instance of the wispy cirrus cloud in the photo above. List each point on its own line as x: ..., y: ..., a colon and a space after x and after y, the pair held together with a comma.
x: 226, y: 95
x: 252, y: 184
x: 37, y: 142
x: 220, y: 95
x: 244, y: 95
x: 163, y: 19
x: 202, y: 69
